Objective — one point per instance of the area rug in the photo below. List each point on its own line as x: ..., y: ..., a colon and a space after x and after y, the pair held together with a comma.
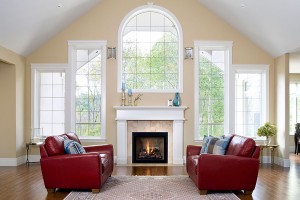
x: 148, y: 188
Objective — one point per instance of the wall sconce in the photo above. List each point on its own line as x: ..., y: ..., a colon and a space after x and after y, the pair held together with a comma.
x: 188, y: 53
x: 111, y: 53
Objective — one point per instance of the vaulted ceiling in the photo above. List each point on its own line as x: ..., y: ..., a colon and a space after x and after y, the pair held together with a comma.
x: 273, y: 25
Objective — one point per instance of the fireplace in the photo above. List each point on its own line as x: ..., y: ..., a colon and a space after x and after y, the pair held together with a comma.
x: 126, y: 114
x: 150, y: 147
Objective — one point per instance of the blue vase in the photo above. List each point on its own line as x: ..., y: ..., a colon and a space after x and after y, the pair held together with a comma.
x: 176, y: 101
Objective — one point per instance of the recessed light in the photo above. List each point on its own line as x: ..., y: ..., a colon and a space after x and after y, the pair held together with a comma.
x: 59, y: 5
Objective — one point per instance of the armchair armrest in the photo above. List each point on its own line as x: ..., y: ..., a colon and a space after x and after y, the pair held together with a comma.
x: 236, y: 172
x: 72, y: 170
x: 106, y: 148
x: 193, y: 150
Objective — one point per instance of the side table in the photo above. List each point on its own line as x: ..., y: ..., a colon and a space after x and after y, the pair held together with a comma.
x: 272, y: 147
x: 28, y: 145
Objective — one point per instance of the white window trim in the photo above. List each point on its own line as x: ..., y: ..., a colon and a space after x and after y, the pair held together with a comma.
x: 36, y: 69
x: 151, y: 7
x: 228, y: 84
x: 71, y: 83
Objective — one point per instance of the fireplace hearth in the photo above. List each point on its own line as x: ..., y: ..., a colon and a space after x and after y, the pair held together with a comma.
x: 150, y: 147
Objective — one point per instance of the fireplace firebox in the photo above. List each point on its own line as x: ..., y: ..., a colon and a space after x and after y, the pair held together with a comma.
x: 150, y: 147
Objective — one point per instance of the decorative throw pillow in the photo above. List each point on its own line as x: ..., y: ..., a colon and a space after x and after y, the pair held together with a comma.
x: 220, y: 146
x: 211, y: 144
x: 73, y: 147
x: 204, y: 143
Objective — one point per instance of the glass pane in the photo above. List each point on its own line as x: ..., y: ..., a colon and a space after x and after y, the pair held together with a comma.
x: 46, y: 78
x: 47, y: 129
x: 46, y: 91
x: 95, y: 129
x: 46, y: 104
x: 82, y: 117
x: 58, y: 78
x: 129, y: 50
x: 143, y: 49
x: 45, y: 117
x: 58, y: 117
x: 58, y: 129
x: 157, y: 19
x: 82, y: 80
x: 82, y: 55
x: 58, y: 91
x: 143, y: 19
x: 58, y: 104
x: 143, y: 35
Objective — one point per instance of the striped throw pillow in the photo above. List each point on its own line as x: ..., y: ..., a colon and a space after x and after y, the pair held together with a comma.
x: 216, y: 145
x: 73, y: 147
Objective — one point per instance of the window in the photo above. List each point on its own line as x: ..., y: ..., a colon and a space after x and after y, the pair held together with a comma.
x: 212, y: 68
x: 72, y: 97
x: 87, y: 107
x: 150, y: 59
x: 250, y: 99
x: 294, y: 105
x: 48, y: 90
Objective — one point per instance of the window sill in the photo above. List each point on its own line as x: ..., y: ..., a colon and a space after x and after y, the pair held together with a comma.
x: 95, y: 139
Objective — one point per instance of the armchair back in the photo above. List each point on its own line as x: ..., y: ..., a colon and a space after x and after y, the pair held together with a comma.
x: 241, y: 146
x: 54, y: 145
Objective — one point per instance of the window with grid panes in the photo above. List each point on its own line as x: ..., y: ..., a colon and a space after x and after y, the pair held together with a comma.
x: 212, y: 88
x: 52, y: 102
x: 150, y: 55
x: 88, y: 92
x: 250, y: 101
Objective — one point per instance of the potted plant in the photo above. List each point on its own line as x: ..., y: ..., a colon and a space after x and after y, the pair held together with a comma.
x: 268, y: 130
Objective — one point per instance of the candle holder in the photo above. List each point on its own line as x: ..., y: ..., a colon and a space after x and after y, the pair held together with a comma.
x: 123, y: 98
x: 129, y: 99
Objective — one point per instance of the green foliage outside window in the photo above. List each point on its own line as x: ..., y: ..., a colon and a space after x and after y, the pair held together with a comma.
x: 211, y: 98
x: 88, y: 98
x: 151, y: 65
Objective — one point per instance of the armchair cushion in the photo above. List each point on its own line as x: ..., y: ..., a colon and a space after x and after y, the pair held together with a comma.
x: 72, y: 147
x: 221, y: 146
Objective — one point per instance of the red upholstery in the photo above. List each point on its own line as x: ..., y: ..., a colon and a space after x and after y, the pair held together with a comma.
x: 236, y: 170
x: 75, y: 171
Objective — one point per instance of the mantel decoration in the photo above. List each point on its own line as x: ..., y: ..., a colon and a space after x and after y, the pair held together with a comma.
x: 268, y: 130
x: 176, y: 101
x: 136, y: 99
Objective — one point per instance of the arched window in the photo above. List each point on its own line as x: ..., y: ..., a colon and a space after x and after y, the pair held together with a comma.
x: 150, y: 59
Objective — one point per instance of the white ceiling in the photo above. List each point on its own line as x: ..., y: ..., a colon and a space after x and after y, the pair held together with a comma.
x: 26, y: 24
x: 272, y: 24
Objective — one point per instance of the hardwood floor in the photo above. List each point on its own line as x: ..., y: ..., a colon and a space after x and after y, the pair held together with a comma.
x: 274, y: 182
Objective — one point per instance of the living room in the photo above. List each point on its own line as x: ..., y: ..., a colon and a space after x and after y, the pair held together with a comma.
x: 100, y: 27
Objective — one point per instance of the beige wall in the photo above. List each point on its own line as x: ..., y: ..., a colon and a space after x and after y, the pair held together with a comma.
x: 12, y: 122
x: 282, y: 108
x: 102, y: 23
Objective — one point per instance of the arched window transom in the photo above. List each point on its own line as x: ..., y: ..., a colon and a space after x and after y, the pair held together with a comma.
x: 150, y: 59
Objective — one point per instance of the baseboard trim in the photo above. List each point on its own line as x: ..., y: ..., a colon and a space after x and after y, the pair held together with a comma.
x: 277, y: 160
x: 12, y: 161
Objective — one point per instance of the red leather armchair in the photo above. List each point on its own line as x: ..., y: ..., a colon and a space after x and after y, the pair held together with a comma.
x: 75, y: 171
x: 236, y: 170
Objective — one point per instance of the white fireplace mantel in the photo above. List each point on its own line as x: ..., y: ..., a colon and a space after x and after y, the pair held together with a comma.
x: 125, y: 113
